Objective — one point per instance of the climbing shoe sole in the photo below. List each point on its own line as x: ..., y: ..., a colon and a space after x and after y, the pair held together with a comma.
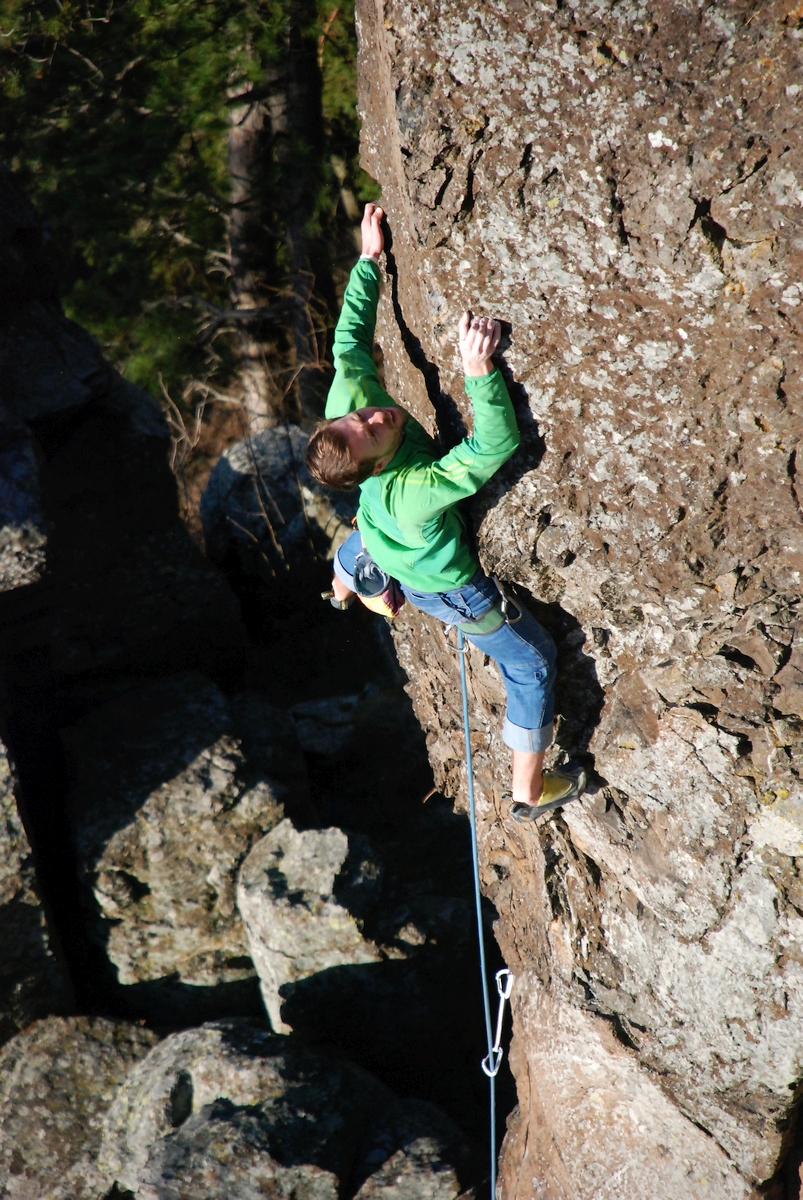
x: 560, y: 787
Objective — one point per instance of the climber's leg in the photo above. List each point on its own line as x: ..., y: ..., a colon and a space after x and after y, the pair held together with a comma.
x: 527, y: 776
x: 526, y: 657
x: 345, y: 558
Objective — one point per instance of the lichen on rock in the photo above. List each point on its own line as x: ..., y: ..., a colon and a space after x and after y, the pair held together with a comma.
x: 301, y: 895
x: 57, y: 1080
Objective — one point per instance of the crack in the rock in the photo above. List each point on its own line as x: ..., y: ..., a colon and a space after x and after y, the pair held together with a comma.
x: 442, y: 189
x: 714, y: 233
x: 617, y: 208
x: 762, y: 162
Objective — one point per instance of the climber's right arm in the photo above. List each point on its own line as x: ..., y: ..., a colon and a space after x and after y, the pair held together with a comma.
x: 422, y: 493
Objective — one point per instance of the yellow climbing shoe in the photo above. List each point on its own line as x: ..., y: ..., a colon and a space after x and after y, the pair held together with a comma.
x: 559, y: 788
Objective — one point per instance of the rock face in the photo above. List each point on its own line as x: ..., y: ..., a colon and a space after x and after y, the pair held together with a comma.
x: 301, y: 895
x: 57, y: 1079
x: 171, y: 785
x: 230, y: 1108
x: 625, y: 186
x: 32, y: 981
x: 262, y: 504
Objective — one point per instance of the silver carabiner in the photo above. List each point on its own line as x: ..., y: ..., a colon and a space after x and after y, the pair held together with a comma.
x: 506, y: 601
x: 492, y: 1062
x: 454, y: 649
x: 505, y: 986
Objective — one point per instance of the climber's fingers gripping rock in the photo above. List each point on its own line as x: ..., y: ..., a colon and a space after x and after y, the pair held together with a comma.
x: 373, y: 241
x: 478, y: 340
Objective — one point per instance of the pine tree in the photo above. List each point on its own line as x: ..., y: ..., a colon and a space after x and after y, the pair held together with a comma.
x: 196, y: 161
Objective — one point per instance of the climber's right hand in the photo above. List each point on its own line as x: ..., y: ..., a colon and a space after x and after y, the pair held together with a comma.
x: 373, y: 241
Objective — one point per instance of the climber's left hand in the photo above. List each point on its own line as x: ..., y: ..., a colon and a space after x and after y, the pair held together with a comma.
x: 373, y: 240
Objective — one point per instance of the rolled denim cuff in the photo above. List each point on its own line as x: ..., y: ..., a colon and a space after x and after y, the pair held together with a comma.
x: 342, y: 574
x: 529, y: 740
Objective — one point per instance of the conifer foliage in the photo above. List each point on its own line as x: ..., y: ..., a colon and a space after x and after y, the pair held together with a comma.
x: 196, y: 162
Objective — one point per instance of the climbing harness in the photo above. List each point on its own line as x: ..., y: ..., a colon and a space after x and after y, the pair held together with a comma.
x: 489, y: 622
x: 504, y: 980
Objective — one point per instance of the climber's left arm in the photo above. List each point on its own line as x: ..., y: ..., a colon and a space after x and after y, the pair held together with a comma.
x: 356, y: 383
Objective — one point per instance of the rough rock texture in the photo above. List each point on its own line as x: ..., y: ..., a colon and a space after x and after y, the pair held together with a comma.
x: 262, y: 504
x: 625, y: 186
x: 32, y: 980
x: 171, y: 786
x: 232, y: 1109
x: 57, y: 1080
x: 301, y: 896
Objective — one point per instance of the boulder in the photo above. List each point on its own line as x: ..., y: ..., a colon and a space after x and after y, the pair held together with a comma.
x: 32, y: 979
x: 231, y: 1108
x: 57, y: 1080
x: 302, y: 896
x: 262, y: 504
x: 622, y: 186
x: 171, y: 785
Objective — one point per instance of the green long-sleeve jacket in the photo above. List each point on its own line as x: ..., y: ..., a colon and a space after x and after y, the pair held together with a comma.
x: 407, y: 515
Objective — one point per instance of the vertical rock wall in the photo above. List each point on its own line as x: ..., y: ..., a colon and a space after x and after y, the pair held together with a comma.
x: 624, y: 185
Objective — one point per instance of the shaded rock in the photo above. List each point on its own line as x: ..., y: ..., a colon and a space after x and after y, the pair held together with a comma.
x: 226, y: 1150
x: 57, y: 1080
x: 165, y: 805
x: 230, y: 1107
x: 32, y: 979
x: 419, y: 1152
x: 622, y: 187
x: 325, y: 726
x: 262, y: 504
x: 22, y: 532
x: 301, y: 896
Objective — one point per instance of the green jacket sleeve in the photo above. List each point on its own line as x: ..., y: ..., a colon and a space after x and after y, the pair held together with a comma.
x: 356, y: 383
x: 424, y: 491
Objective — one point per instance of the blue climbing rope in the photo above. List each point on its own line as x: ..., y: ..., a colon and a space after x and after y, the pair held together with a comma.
x: 494, y: 1054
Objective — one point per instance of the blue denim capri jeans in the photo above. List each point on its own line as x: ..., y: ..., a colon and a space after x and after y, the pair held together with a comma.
x: 523, y: 651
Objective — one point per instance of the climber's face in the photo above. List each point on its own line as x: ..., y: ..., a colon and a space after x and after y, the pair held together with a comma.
x: 374, y: 434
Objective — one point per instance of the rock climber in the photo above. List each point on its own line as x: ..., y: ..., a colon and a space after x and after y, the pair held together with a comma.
x: 410, y: 530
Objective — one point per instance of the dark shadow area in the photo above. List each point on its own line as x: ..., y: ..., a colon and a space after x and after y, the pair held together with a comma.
x: 168, y: 1004
x: 785, y: 1183
x: 39, y: 761
x: 451, y: 427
